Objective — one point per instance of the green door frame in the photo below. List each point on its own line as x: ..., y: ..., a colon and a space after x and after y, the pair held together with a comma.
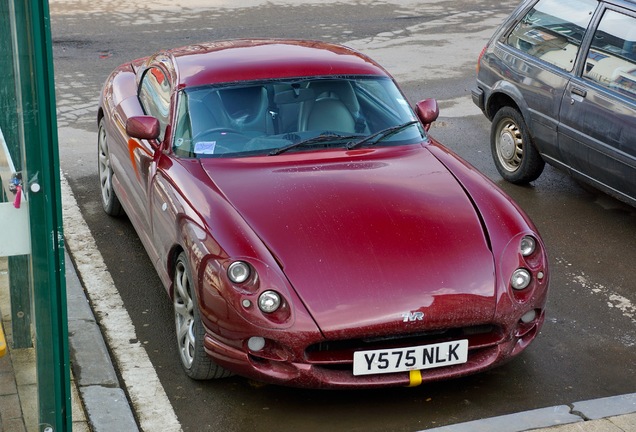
x: 41, y: 183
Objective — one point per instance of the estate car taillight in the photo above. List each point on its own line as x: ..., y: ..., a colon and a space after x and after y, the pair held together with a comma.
x: 481, y: 54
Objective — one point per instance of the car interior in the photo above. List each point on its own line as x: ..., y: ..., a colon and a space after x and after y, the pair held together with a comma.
x: 225, y: 120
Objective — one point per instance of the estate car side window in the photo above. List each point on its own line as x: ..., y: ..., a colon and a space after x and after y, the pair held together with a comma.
x: 611, y: 61
x: 553, y: 30
x: 154, y: 95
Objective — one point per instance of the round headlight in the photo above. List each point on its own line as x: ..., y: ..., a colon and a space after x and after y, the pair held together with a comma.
x: 520, y: 279
x: 238, y: 272
x: 269, y: 301
x: 528, y: 245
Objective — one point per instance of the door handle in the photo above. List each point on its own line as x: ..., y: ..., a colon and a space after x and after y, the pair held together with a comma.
x: 579, y: 91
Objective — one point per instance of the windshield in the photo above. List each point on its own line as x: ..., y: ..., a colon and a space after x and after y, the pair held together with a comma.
x: 263, y: 117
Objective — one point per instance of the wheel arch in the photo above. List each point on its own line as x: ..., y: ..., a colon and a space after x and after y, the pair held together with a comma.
x: 499, y: 100
x: 504, y: 94
x: 171, y: 262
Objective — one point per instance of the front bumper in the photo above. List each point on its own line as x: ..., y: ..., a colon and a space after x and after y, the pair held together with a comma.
x: 334, y: 369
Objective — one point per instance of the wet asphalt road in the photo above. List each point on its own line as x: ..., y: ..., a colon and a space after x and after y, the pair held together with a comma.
x: 587, y: 348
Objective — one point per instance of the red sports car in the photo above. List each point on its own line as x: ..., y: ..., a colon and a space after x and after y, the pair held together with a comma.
x: 307, y: 228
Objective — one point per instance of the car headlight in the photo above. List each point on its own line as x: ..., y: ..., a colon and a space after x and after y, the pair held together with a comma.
x: 528, y: 246
x: 520, y: 279
x: 269, y: 301
x: 239, y: 272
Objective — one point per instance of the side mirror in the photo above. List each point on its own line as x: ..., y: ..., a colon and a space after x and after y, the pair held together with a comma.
x: 427, y: 111
x: 143, y: 127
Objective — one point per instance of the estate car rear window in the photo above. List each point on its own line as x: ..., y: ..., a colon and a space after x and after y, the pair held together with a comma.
x: 553, y: 30
x: 611, y: 61
x: 271, y: 117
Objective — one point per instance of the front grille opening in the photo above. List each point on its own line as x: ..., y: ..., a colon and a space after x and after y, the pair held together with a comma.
x: 341, y: 351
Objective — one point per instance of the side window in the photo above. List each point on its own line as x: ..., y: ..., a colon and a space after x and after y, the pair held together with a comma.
x: 553, y: 30
x: 611, y: 60
x: 154, y: 95
x: 183, y: 132
x: 385, y: 95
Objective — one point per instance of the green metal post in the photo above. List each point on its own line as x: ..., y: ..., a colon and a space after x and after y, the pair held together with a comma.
x: 42, y: 183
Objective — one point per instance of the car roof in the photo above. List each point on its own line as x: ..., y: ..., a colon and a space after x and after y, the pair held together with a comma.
x: 255, y: 59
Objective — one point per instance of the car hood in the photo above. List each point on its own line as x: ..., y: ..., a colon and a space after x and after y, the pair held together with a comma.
x: 367, y: 238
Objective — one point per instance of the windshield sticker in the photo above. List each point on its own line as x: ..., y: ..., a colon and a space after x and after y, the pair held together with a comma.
x: 205, y: 147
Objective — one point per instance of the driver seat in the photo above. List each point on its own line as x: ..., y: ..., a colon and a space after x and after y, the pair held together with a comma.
x: 246, y: 109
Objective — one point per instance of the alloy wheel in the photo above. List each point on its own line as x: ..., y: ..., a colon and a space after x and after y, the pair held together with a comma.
x: 105, y: 171
x: 184, y: 315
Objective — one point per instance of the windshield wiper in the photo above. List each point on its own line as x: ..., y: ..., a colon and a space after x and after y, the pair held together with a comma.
x: 380, y: 135
x: 314, y: 140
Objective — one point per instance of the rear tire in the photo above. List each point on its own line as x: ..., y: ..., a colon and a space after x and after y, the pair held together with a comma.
x: 513, y: 150
x: 110, y: 202
x: 189, y: 328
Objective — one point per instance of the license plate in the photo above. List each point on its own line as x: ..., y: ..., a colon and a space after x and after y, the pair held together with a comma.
x: 413, y: 358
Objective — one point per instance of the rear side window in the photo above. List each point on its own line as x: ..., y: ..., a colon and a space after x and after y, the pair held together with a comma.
x: 611, y: 60
x: 553, y: 30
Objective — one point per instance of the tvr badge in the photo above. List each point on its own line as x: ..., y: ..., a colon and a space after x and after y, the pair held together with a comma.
x: 413, y: 316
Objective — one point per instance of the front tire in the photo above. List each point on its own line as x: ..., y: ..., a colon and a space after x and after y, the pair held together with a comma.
x: 189, y: 328
x: 110, y: 202
x: 513, y: 150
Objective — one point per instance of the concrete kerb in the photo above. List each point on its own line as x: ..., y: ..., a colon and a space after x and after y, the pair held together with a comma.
x: 517, y: 422
x: 104, y: 400
x: 606, y: 407
x: 587, y: 415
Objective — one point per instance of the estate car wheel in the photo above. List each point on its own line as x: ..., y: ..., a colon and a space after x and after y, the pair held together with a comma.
x: 110, y: 202
x: 515, y: 155
x: 190, y: 332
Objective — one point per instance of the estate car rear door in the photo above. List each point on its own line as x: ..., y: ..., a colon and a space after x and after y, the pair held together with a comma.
x: 549, y: 35
x: 597, y: 134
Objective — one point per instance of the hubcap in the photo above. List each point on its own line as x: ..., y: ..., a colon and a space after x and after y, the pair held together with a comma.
x: 509, y: 145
